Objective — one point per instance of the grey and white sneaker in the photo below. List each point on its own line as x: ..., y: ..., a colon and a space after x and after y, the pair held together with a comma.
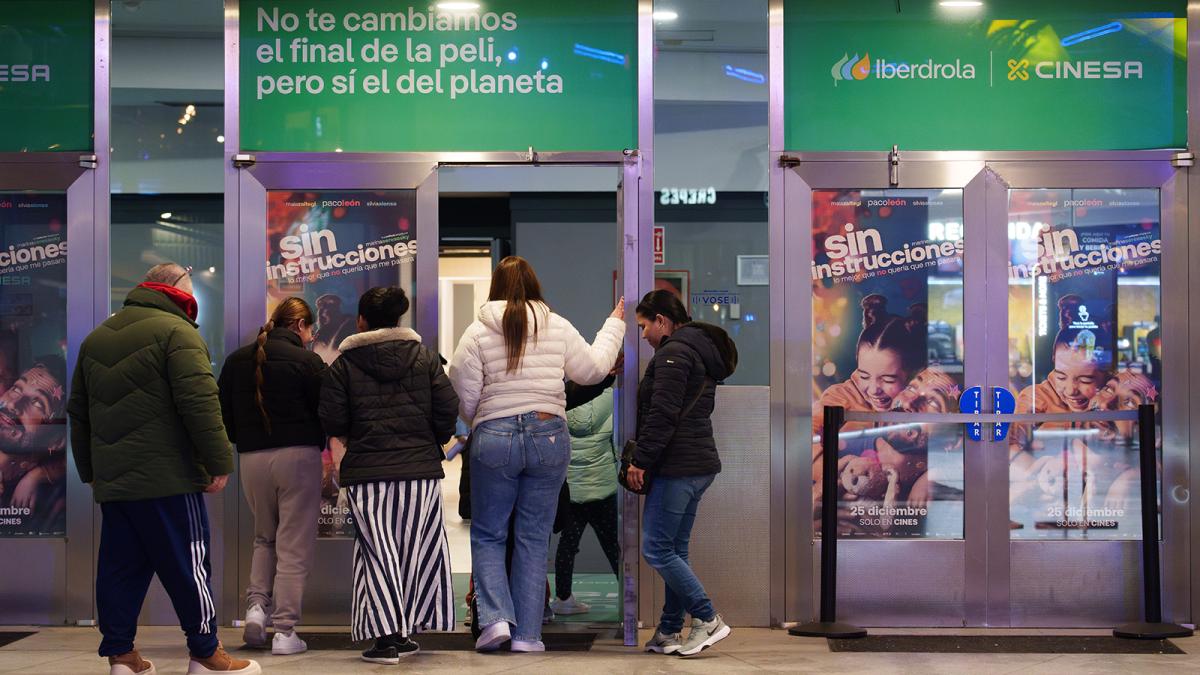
x: 704, y: 635
x: 664, y: 644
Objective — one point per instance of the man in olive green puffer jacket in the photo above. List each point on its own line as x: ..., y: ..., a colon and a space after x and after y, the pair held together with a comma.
x: 147, y: 434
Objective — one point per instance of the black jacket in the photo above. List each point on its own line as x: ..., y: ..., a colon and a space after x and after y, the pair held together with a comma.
x: 390, y: 398
x: 680, y: 369
x: 291, y: 391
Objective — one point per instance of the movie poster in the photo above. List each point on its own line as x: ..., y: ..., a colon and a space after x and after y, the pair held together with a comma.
x: 329, y: 248
x: 1084, y: 316
x: 33, y: 372
x: 887, y: 278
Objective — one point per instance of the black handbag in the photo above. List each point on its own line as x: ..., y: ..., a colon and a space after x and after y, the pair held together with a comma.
x: 630, y: 448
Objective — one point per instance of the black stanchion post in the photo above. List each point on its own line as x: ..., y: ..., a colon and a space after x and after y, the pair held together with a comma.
x: 1153, y: 627
x: 828, y: 626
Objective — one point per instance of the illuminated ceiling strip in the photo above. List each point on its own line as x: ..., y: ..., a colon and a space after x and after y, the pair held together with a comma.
x: 1106, y: 29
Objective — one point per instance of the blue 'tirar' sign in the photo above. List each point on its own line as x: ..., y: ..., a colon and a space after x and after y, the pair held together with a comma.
x: 971, y: 403
x: 1004, y: 403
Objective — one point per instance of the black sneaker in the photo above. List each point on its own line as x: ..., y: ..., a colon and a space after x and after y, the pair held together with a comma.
x: 389, y: 650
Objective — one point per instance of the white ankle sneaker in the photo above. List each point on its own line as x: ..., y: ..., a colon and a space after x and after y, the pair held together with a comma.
x: 527, y: 646
x: 255, y: 632
x: 569, y: 606
x: 493, y: 636
x: 284, y: 644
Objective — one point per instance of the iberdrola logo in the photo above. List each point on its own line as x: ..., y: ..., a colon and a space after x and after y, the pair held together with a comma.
x: 851, y: 68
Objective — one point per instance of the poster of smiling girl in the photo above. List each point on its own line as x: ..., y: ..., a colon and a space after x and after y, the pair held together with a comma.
x: 887, y: 336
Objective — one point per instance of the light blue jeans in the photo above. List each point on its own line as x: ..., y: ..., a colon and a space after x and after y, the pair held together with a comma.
x: 667, y: 520
x: 518, y: 465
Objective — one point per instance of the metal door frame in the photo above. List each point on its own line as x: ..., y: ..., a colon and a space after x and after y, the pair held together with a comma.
x: 69, y: 558
x: 246, y: 288
x: 985, y: 179
x: 949, y: 606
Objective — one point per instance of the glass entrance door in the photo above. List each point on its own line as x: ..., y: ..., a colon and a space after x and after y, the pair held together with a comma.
x: 972, y: 286
x: 1087, y: 262
x: 48, y: 300
x: 327, y: 231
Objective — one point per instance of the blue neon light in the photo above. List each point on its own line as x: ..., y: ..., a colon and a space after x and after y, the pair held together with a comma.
x: 599, y: 54
x: 745, y: 75
x: 1099, y: 31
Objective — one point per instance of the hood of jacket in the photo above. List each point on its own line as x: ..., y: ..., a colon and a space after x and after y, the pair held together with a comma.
x: 141, y: 296
x: 384, y: 354
x: 704, y: 338
x: 491, y: 315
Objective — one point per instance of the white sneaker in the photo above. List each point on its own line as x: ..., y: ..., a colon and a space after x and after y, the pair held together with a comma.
x: 569, y: 606
x: 284, y: 644
x: 526, y: 646
x: 493, y: 636
x: 704, y: 635
x: 255, y: 632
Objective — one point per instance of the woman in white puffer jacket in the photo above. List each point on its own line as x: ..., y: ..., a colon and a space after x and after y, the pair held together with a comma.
x: 509, y: 371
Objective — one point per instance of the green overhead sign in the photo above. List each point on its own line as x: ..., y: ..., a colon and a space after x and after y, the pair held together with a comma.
x: 1067, y: 75
x: 387, y: 76
x: 46, y: 66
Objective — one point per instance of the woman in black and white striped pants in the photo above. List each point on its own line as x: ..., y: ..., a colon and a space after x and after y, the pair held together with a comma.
x: 401, y: 559
x: 391, y: 400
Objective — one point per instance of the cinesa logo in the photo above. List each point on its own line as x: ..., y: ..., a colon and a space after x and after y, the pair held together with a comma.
x: 847, y: 68
x: 1075, y: 70
x: 24, y: 73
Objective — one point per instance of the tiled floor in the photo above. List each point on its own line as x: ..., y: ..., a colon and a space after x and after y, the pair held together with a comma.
x: 71, y: 651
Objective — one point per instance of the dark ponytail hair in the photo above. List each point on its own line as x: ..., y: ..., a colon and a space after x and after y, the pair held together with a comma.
x: 515, y: 283
x: 287, y: 314
x: 663, y: 303
x: 908, y: 335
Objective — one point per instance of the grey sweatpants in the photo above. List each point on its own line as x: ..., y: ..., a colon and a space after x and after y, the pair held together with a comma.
x: 283, y: 488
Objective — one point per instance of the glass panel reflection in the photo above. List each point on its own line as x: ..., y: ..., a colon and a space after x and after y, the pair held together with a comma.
x: 1083, y: 335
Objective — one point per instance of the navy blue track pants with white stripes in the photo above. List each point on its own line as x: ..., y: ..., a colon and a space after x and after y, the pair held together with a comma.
x: 167, y: 536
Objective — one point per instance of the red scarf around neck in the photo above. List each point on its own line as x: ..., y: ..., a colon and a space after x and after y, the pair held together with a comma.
x: 184, y: 300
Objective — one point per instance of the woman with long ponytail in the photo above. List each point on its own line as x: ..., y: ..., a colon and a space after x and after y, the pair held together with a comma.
x: 270, y: 390
x: 509, y: 371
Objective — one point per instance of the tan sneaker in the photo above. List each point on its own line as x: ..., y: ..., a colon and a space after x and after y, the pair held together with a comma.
x: 129, y: 663
x: 222, y: 662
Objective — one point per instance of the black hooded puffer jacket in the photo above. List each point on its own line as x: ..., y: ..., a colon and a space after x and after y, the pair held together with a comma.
x: 666, y: 443
x: 391, y: 399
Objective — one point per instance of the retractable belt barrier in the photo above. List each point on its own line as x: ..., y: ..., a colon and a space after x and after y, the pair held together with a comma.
x: 1152, y: 628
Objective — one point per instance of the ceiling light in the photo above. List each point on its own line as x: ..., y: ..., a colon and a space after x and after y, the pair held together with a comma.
x: 166, y: 215
x: 212, y: 270
x: 457, y: 6
x: 665, y: 15
x: 961, y: 3
x: 220, y: 139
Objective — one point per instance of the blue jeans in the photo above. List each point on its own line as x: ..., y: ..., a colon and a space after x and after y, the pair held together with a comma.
x: 518, y: 466
x: 667, y: 520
